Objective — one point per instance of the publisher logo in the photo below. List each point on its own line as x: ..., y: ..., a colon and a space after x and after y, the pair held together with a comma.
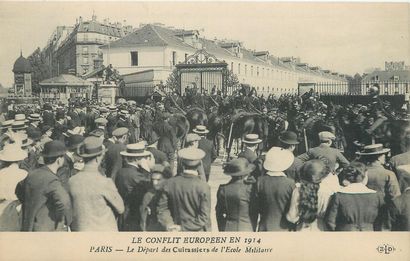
x: 385, y: 249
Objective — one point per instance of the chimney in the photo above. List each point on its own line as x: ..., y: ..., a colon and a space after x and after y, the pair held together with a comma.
x: 80, y: 20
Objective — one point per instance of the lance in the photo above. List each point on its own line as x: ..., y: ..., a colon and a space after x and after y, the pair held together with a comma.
x: 306, y: 141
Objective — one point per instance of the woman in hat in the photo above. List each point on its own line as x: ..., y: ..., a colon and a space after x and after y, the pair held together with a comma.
x: 274, y: 191
x: 10, y: 176
x: 149, y: 220
x: 236, y: 206
x: 355, y: 207
x: 309, y: 203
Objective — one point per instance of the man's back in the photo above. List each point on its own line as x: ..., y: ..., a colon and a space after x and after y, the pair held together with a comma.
x: 45, y: 202
x: 95, y: 199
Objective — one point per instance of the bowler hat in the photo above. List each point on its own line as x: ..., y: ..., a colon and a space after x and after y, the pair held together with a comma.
x: 251, y: 139
x: 374, y: 149
x: 200, y: 129
x: 238, y: 167
x: 47, y: 107
x: 54, y: 148
x: 90, y: 147
x: 289, y: 137
x: 135, y: 150
x: 191, y: 156
x: 35, y: 135
x: 73, y: 141
x: 278, y: 159
x: 23, y: 139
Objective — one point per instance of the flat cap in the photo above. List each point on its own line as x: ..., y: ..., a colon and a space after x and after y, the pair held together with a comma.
x: 101, y: 121
x: 326, y: 135
x: 191, y: 156
x: 120, y: 132
x: 190, y: 137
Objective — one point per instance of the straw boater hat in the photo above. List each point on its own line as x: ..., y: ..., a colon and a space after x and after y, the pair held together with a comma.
x: 101, y: 121
x: 278, y: 159
x: 20, y: 117
x: 12, y: 153
x: 135, y: 150
x: 191, y: 156
x: 18, y: 125
x: 201, y: 129
x: 91, y: 147
x: 34, y: 117
x: 374, y: 149
x: 289, y: 137
x: 118, y: 132
x: 238, y: 167
x: 251, y: 139
x: 6, y: 124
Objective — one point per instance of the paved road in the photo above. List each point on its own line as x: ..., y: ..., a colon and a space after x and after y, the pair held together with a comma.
x: 216, y: 178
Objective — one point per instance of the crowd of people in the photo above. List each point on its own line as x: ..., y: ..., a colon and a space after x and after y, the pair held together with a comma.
x: 88, y: 167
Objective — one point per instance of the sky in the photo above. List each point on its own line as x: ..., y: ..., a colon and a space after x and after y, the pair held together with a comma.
x: 347, y: 38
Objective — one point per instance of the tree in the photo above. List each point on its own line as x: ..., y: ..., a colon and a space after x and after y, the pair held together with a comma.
x: 40, y: 69
x: 172, y: 82
x: 232, y: 81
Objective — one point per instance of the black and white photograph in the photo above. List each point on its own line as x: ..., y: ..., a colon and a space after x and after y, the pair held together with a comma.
x: 180, y: 117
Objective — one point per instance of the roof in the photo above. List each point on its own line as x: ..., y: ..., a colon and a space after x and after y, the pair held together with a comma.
x: 94, y: 26
x: 150, y: 35
x: 22, y: 65
x: 385, y: 76
x: 65, y: 80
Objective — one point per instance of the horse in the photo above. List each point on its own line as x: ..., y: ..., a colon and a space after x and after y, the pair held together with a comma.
x: 243, y: 124
x: 196, y: 116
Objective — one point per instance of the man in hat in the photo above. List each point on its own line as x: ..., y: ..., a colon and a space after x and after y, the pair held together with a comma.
x: 251, y: 142
x: 70, y: 158
x: 326, y: 151
x: 46, y: 204
x: 401, y: 159
x: 112, y: 119
x: 34, y: 119
x: 113, y: 160
x: 135, y: 118
x: 380, y: 179
x: 96, y: 201
x: 274, y: 191
x: 152, y: 146
x: 48, y: 115
x: 124, y: 121
x: 186, y: 201
x: 289, y: 140
x: 60, y: 127
x: 192, y: 141
x: 236, y: 207
x: 133, y: 182
x: 208, y: 147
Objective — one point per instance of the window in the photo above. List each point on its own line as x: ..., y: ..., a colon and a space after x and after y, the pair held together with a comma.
x: 232, y: 66
x: 186, y: 57
x: 239, y: 68
x: 174, y: 58
x: 134, y: 58
x: 407, y: 88
x: 376, y: 77
x: 85, y: 37
x: 257, y: 71
x: 251, y: 70
x: 85, y: 60
x: 263, y: 72
x: 386, y: 85
x: 396, y: 78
